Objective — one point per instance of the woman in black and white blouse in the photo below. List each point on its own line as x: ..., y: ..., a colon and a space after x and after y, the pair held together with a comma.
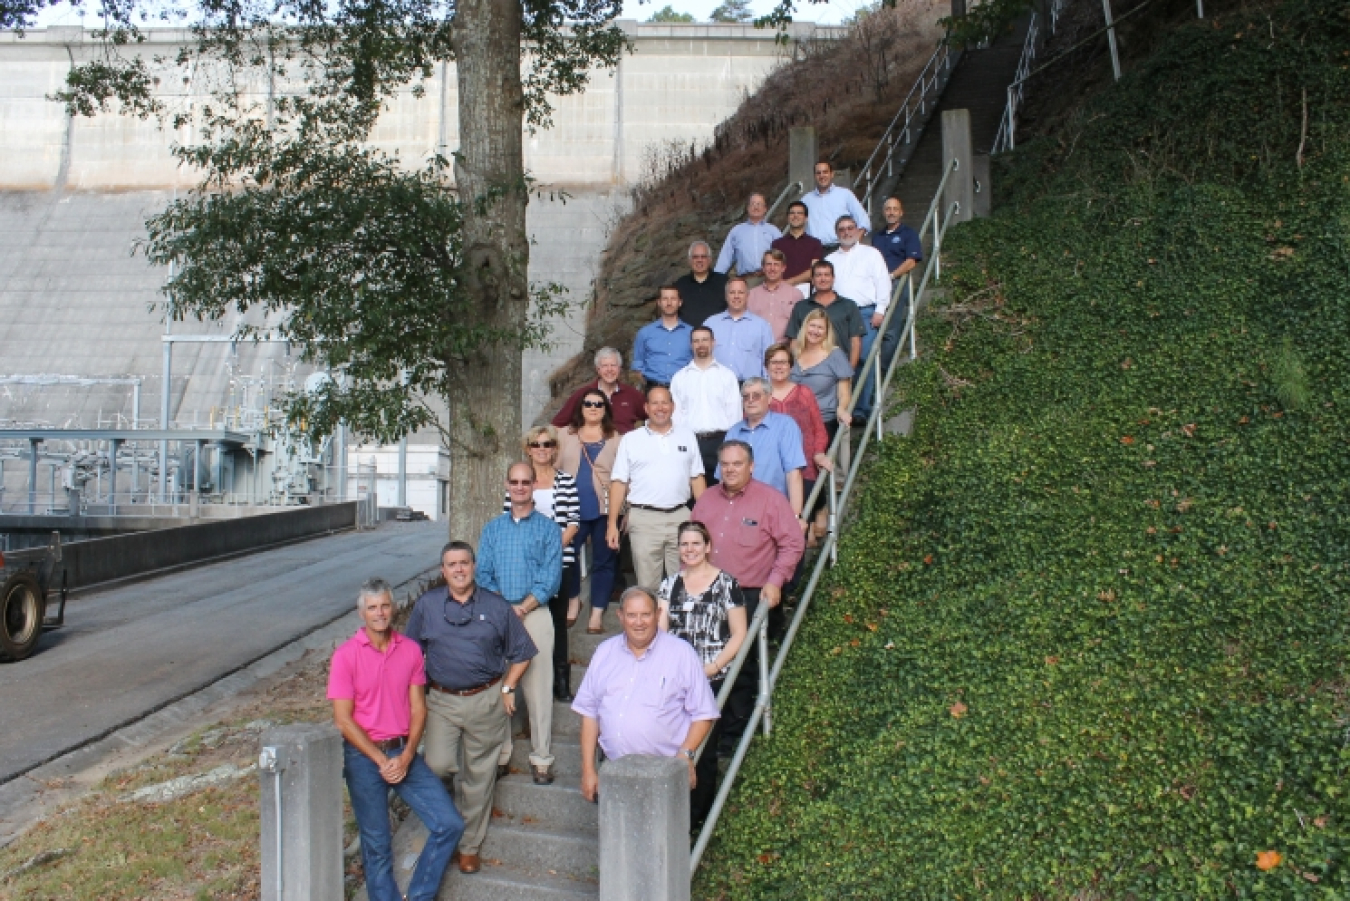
x: 555, y: 496
x: 703, y: 605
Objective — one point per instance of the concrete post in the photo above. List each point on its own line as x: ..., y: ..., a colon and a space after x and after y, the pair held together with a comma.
x: 956, y: 145
x: 301, y: 771
x: 984, y: 194
x: 644, y: 829
x: 802, y: 157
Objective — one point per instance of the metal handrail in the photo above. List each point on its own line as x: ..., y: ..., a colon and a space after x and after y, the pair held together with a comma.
x: 929, y: 78
x: 1006, y: 138
x: 758, y: 629
x: 793, y: 187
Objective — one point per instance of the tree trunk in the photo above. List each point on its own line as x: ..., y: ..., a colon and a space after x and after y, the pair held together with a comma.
x: 485, y: 421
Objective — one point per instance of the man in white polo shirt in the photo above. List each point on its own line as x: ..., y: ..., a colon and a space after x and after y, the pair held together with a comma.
x: 657, y: 469
x: 707, y: 398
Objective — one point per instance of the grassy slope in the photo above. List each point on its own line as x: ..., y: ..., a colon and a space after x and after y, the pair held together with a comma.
x: 1088, y: 638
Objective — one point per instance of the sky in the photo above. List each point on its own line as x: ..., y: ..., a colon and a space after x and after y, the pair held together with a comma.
x: 828, y: 13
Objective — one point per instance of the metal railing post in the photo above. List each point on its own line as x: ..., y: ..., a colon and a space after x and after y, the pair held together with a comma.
x: 1111, y: 39
x: 764, y: 675
x: 834, y: 516
x: 876, y: 384
x: 909, y: 288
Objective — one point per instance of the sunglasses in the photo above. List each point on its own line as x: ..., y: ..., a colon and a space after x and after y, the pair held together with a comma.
x: 456, y: 614
x: 526, y: 482
x: 538, y: 444
x: 594, y: 404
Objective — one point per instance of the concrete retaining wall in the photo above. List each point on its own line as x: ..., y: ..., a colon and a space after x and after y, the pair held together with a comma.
x: 102, y: 560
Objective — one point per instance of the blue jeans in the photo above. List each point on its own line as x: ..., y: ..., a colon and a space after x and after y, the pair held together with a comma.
x: 890, y: 343
x: 424, y: 793
x: 603, y: 562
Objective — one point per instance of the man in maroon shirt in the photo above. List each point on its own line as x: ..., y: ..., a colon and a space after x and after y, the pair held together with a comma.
x: 800, y: 248
x: 626, y: 402
x: 758, y: 540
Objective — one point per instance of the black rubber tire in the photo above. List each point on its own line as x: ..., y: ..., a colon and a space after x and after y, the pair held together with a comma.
x: 22, y: 607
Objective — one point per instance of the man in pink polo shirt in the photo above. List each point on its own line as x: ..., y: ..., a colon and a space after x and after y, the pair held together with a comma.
x: 377, y: 686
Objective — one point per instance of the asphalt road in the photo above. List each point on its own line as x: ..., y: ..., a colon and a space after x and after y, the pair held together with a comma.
x: 126, y: 652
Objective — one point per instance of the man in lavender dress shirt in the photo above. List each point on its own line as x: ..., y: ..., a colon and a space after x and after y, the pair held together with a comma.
x: 644, y: 693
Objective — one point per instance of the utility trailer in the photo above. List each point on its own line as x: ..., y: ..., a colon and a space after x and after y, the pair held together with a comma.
x: 27, y: 580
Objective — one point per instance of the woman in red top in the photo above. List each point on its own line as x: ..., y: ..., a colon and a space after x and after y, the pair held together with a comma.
x: 799, y: 402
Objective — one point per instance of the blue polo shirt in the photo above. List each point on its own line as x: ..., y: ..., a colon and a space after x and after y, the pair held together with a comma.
x: 899, y: 245
x: 660, y: 352
x: 778, y: 448
x: 468, y: 644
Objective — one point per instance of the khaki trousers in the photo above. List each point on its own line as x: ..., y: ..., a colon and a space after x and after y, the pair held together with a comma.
x: 463, y: 735
x: 656, y: 547
x: 537, y: 687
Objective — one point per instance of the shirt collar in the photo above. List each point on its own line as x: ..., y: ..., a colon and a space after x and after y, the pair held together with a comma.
x: 650, y: 648
x: 395, y: 639
x: 826, y: 191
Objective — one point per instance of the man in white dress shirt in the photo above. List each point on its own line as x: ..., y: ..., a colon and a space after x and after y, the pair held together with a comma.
x: 861, y: 275
x: 657, y: 470
x: 707, y: 398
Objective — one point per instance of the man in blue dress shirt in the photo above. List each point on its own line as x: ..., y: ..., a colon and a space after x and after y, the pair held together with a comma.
x: 661, y: 348
x: 827, y: 203
x: 776, y: 441
x: 741, y: 336
x: 746, y: 243
x: 520, y: 558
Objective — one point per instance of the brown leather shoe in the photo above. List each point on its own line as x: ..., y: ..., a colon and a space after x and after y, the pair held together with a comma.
x: 469, y: 863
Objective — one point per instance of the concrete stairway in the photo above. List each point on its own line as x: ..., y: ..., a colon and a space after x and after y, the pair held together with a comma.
x: 543, y: 842
x: 980, y: 84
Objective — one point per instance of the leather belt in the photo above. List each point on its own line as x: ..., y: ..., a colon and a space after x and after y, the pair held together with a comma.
x: 462, y: 692
x: 657, y: 509
x: 392, y: 744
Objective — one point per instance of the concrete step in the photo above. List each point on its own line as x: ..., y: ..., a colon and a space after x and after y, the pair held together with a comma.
x: 496, y: 882
x: 535, y: 848
x: 560, y: 805
x: 566, y: 758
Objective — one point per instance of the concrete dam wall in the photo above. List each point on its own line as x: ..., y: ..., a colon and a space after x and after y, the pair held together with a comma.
x: 74, y: 194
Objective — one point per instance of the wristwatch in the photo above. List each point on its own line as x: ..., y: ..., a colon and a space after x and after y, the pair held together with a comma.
x: 508, y: 689
x: 688, y: 753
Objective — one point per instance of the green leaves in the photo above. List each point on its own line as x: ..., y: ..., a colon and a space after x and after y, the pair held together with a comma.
x: 1145, y: 639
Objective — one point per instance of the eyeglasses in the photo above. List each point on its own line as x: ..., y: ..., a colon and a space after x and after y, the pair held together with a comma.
x: 463, y: 613
x: 753, y: 395
x: 535, y: 445
x: 780, y: 362
x: 517, y: 482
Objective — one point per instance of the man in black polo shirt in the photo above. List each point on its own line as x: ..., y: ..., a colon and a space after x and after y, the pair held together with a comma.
x: 843, y: 313
x: 703, y: 292
x: 470, y: 635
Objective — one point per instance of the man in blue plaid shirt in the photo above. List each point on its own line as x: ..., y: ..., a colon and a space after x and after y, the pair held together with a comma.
x: 520, y: 558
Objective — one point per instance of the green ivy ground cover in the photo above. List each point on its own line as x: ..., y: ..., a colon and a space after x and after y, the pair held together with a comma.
x: 1088, y: 637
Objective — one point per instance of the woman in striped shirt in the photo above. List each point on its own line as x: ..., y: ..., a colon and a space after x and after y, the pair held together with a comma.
x: 555, y: 496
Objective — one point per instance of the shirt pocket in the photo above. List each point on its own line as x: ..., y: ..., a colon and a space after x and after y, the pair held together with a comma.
x: 747, y: 535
